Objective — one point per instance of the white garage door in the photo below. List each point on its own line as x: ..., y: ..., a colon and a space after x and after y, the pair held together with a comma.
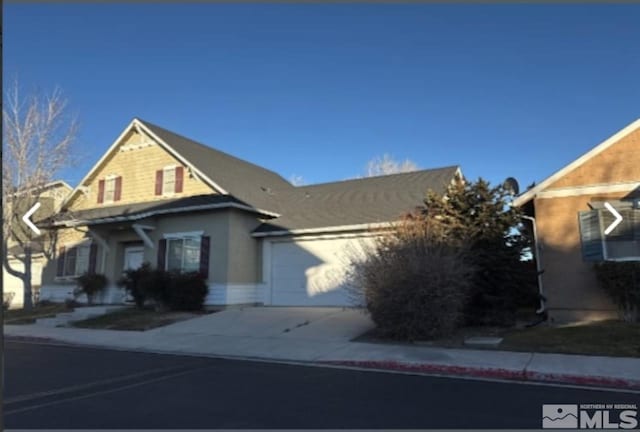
x: 12, y: 286
x: 313, y: 272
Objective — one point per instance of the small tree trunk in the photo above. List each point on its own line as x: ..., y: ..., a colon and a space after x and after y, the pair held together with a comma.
x: 27, y: 301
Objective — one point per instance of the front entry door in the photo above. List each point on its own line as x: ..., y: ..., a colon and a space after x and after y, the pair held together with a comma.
x: 133, y: 259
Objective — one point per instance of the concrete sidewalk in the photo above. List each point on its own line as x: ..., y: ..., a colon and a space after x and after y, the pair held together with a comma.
x: 308, y: 347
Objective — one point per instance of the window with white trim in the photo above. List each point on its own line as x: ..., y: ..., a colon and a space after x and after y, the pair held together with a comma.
x: 621, y: 244
x: 75, y: 260
x: 169, y: 180
x: 110, y: 189
x: 183, y: 254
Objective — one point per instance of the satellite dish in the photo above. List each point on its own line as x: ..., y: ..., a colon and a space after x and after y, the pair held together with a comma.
x: 511, y: 185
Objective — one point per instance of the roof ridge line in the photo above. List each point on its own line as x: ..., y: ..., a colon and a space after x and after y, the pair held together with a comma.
x: 377, y: 176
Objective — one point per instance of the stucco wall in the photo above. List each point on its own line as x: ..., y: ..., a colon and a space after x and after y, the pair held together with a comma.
x: 214, y: 225
x: 244, y: 250
x: 569, y: 282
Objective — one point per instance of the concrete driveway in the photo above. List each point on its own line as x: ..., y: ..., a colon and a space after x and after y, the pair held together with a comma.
x: 285, y: 323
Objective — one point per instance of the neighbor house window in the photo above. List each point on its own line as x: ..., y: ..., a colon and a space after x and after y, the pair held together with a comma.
x: 624, y: 241
x: 77, y: 260
x: 622, y: 244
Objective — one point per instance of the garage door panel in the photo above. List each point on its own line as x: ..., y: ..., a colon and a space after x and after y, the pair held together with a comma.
x: 312, y: 272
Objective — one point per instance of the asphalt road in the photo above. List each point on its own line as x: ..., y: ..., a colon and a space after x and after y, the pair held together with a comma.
x: 67, y: 387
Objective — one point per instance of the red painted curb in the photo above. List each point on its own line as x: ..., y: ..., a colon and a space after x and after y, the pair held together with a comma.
x: 498, y: 373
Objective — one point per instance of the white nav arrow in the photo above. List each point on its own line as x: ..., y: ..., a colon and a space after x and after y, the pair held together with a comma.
x: 26, y: 218
x: 616, y: 222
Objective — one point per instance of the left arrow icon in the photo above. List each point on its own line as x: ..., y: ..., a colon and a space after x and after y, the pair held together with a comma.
x: 27, y: 218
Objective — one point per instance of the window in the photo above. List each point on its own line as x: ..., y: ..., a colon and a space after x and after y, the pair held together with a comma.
x: 622, y: 244
x: 183, y: 254
x: 169, y: 180
x: 110, y: 189
x: 75, y: 261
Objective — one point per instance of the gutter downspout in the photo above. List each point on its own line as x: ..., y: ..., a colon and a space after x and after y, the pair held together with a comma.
x: 538, y: 263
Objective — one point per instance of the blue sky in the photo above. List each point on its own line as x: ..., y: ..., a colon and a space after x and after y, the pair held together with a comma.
x: 317, y: 90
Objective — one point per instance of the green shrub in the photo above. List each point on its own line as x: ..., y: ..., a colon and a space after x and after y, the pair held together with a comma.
x: 91, y: 284
x: 188, y: 292
x: 156, y: 286
x: 621, y: 280
x: 415, y: 284
x: 167, y: 290
x: 130, y: 281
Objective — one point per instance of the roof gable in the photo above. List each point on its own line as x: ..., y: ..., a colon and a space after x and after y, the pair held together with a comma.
x: 244, y: 180
x: 556, y: 180
x: 136, y: 156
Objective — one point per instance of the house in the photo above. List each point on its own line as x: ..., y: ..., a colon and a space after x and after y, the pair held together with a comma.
x: 12, y: 287
x: 158, y: 197
x: 572, y: 219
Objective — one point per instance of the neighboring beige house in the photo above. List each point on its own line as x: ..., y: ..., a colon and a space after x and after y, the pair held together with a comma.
x: 12, y: 287
x: 571, y: 218
x: 159, y: 197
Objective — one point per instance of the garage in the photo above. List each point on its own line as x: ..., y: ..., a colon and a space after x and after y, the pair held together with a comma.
x: 12, y: 287
x: 313, y: 272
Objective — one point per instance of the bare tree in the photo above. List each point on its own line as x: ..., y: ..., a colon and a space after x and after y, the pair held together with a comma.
x: 37, y: 135
x: 297, y: 180
x: 386, y: 164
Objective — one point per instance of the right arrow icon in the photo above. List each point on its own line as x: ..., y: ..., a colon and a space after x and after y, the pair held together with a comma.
x: 616, y: 222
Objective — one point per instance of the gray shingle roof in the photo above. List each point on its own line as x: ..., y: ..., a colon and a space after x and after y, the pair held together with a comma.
x: 350, y: 202
x: 246, y: 181
x: 360, y: 201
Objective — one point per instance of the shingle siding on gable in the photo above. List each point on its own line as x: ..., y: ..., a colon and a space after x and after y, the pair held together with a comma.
x: 619, y: 163
x: 137, y: 162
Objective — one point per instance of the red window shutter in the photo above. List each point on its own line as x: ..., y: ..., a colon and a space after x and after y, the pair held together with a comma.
x: 93, y: 255
x: 162, y: 252
x: 100, y: 191
x: 117, y: 194
x: 159, y: 182
x: 179, y: 179
x: 205, y: 242
x: 60, y: 269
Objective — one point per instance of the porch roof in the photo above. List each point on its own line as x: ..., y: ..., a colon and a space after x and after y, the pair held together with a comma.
x: 137, y: 211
